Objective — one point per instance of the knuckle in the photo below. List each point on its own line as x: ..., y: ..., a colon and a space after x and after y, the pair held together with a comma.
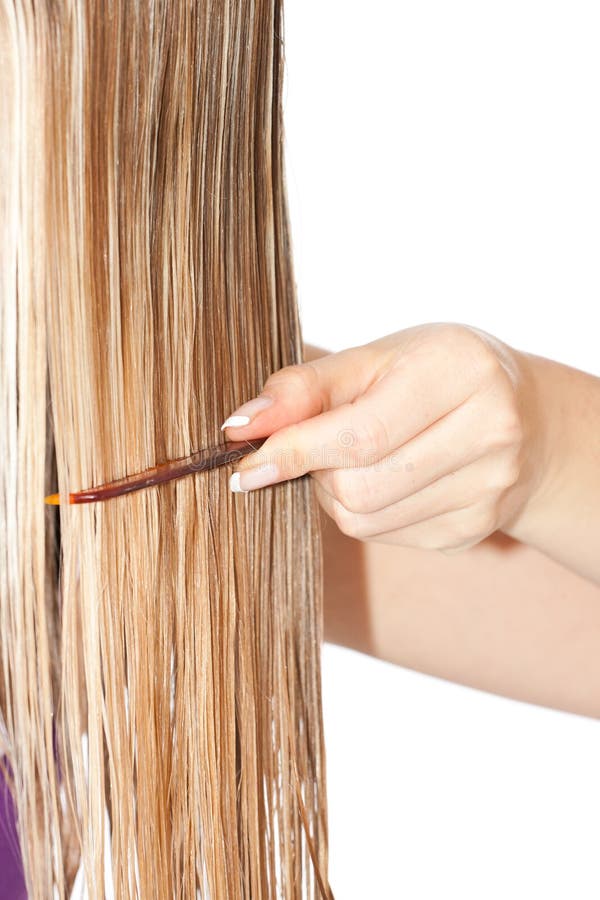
x: 483, y: 523
x: 462, y: 531
x: 450, y: 333
x: 483, y: 366
x: 347, y: 490
x: 297, y: 377
x: 371, y: 433
x: 478, y: 361
x: 418, y: 538
x: 461, y: 336
x: 425, y: 543
x: 345, y: 520
x: 507, y: 430
x: 509, y: 427
x: 506, y: 473
x: 451, y: 551
x: 439, y: 543
x: 512, y: 471
x: 344, y: 489
x: 459, y: 534
x: 484, y: 359
x: 460, y: 548
x: 479, y: 355
x: 438, y: 342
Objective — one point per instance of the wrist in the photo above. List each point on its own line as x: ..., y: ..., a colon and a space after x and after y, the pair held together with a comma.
x: 546, y: 428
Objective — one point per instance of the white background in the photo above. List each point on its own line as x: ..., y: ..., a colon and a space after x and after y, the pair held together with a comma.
x: 444, y: 165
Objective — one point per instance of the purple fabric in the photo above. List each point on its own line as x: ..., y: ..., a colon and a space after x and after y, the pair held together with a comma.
x: 12, y: 883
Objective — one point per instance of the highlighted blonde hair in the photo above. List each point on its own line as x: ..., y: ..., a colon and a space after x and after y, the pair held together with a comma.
x: 160, y: 682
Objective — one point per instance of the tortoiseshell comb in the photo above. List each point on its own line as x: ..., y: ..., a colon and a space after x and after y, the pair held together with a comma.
x: 200, y: 461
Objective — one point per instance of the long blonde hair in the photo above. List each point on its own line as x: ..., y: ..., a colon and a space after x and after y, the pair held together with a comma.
x: 160, y: 652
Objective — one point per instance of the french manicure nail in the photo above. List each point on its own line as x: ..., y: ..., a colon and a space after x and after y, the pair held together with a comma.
x: 251, y: 479
x: 234, y: 484
x: 235, y: 422
x: 246, y: 412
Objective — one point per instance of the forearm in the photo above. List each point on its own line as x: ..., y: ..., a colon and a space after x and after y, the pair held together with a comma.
x: 562, y: 517
x: 501, y: 617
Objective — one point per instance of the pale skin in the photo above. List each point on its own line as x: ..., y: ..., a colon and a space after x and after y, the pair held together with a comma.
x: 459, y: 481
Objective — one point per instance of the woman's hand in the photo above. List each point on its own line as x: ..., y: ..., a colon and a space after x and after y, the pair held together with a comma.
x: 426, y: 438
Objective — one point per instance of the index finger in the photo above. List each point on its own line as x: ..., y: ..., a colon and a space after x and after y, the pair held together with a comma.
x: 400, y: 405
x: 302, y: 391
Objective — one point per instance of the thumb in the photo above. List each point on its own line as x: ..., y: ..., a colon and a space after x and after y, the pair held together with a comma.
x: 302, y: 391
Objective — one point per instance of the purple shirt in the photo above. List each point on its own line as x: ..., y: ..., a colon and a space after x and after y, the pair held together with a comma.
x: 12, y: 883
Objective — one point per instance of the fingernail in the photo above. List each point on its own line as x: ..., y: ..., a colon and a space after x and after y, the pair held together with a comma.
x: 251, y: 479
x: 246, y: 412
